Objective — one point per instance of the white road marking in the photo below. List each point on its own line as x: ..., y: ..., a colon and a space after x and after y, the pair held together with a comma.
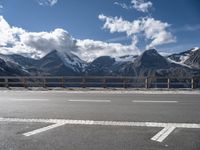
x: 27, y: 99
x: 85, y: 100
x: 146, y: 101
x: 159, y: 137
x: 163, y: 134
x: 43, y: 129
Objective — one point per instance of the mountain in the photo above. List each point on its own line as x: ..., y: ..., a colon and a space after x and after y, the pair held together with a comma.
x: 190, y: 57
x: 23, y: 61
x: 110, y: 66
x: 9, y: 68
x: 101, y: 66
x: 56, y: 63
x: 149, y: 63
x: 151, y: 59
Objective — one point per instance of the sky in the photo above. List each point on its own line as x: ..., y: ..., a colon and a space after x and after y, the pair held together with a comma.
x: 93, y: 28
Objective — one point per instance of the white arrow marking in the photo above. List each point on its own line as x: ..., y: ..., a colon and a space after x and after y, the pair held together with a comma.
x: 159, y: 137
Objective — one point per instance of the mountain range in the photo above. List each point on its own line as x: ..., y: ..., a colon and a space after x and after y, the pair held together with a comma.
x: 149, y: 63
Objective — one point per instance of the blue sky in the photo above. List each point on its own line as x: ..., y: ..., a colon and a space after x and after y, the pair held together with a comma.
x: 179, y: 21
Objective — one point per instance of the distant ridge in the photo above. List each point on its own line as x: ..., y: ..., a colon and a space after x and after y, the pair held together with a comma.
x: 149, y: 63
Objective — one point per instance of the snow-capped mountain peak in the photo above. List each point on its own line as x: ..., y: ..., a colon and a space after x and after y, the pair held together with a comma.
x: 190, y: 57
x: 195, y: 49
x: 71, y: 60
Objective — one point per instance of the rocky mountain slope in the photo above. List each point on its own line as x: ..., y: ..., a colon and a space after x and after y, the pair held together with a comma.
x: 149, y: 63
x: 190, y: 58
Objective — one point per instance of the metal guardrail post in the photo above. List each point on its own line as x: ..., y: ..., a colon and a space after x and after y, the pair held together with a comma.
x: 24, y: 82
x: 192, y: 83
x: 104, y: 83
x: 168, y: 83
x: 125, y: 83
x: 83, y: 83
x: 44, y: 82
x: 6, y: 82
x: 146, y: 83
x: 62, y: 82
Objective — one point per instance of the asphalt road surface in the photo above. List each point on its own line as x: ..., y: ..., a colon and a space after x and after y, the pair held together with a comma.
x: 59, y: 120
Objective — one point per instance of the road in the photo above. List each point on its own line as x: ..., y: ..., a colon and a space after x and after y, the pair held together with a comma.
x: 58, y: 120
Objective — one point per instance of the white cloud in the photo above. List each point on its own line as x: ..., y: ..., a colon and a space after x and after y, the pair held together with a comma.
x: 58, y: 39
x: 123, y: 5
x: 139, y: 5
x: 90, y: 49
x: 35, y: 44
x: 156, y: 31
x: 142, y: 5
x: 118, y: 24
x: 8, y: 34
x: 151, y: 29
x: 14, y: 40
x: 1, y: 6
x: 47, y: 2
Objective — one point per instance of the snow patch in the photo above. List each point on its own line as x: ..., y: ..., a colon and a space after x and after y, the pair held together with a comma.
x: 195, y: 49
x: 184, y: 58
x: 179, y: 63
x: 71, y: 60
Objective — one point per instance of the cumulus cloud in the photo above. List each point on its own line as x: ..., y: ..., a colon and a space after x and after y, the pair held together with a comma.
x: 8, y: 34
x: 151, y: 29
x: 139, y: 5
x: 90, y: 49
x: 47, y: 2
x: 142, y: 5
x: 14, y: 40
x: 35, y: 44
x: 58, y: 39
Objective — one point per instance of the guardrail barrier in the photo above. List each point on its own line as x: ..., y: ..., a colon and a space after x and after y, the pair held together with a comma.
x: 104, y: 82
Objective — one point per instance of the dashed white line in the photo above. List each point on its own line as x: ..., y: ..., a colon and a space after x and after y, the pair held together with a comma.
x: 159, y: 137
x: 147, y: 101
x: 27, y: 99
x: 93, y: 101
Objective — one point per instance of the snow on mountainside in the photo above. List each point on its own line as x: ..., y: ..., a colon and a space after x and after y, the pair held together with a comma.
x: 100, y: 66
x: 57, y: 63
x: 9, y: 67
x: 71, y: 60
x: 149, y: 63
x: 190, y: 58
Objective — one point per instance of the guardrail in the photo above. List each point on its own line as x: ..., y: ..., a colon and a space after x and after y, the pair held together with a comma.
x: 104, y: 82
